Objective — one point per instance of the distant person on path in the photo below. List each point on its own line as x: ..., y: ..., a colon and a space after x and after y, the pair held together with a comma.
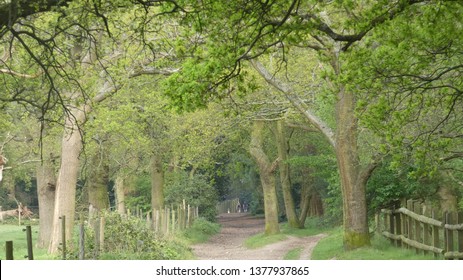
x: 238, y: 208
x: 245, y: 207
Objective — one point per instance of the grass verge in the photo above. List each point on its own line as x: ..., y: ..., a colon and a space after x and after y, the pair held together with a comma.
x: 331, y: 248
x: 168, y: 247
x: 293, y: 254
x: 200, y: 231
x: 16, y: 233
x: 312, y: 227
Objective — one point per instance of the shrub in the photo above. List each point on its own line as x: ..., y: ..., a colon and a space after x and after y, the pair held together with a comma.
x: 131, y: 238
x: 201, y: 230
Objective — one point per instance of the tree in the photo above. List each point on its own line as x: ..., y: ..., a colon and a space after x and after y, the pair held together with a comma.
x: 332, y: 29
x: 267, y: 171
x: 410, y: 90
x: 283, y: 153
x: 46, y: 188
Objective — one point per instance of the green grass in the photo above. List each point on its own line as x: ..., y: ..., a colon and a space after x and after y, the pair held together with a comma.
x: 331, y: 247
x: 293, y: 254
x: 200, y: 231
x: 260, y: 240
x: 15, y: 233
x: 177, y: 245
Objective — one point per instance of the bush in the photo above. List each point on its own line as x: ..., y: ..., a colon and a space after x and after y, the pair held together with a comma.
x: 131, y: 238
x: 201, y: 230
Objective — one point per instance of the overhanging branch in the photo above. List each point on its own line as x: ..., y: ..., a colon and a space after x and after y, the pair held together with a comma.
x: 295, y: 101
x: 21, y: 75
x: 153, y: 71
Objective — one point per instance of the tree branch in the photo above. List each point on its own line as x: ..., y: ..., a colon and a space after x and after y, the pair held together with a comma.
x: 21, y: 75
x: 296, y: 101
x: 301, y: 126
x: 11, y: 12
x: 349, y: 39
x: 153, y: 71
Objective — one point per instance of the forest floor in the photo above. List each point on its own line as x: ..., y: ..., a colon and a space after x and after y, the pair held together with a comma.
x: 236, y: 228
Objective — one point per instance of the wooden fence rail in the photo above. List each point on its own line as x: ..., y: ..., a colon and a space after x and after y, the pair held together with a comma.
x: 418, y: 226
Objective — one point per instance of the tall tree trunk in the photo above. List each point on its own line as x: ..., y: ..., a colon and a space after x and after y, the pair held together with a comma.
x: 46, y: 186
x: 344, y: 142
x: 65, y: 201
x: 284, y: 176
x: 98, y: 180
x: 120, y: 195
x: 353, y: 186
x: 305, y: 201
x: 315, y: 205
x: 157, y: 182
x: 267, y: 178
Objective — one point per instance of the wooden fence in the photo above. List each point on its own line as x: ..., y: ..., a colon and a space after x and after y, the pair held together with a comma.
x: 417, y: 226
x: 166, y: 221
x: 171, y: 219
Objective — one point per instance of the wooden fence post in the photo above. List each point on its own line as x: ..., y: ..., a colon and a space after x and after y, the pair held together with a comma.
x: 179, y: 218
x: 185, y: 214
x: 173, y: 220
x: 164, y: 220
x: 30, y: 254
x: 188, y: 217
x: 426, y: 229
x: 397, y: 227
x: 9, y: 250
x: 149, y: 224
x: 391, y: 224
x: 411, y: 233
x: 460, y: 233
x: 435, y: 233
x: 418, y: 232
x: 448, y: 233
x: 19, y: 215
x: 377, y: 224
x: 167, y: 220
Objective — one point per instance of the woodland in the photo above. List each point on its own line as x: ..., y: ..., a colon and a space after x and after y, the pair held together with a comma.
x: 334, y: 108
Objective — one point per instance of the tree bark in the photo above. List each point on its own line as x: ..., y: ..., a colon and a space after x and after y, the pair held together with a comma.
x: 120, y: 195
x: 305, y: 201
x: 98, y: 180
x: 65, y: 201
x: 157, y: 183
x: 267, y: 177
x: 284, y: 176
x: 46, y: 186
x: 353, y: 185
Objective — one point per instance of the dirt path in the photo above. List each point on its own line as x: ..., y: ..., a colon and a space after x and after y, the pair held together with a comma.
x: 228, y: 244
